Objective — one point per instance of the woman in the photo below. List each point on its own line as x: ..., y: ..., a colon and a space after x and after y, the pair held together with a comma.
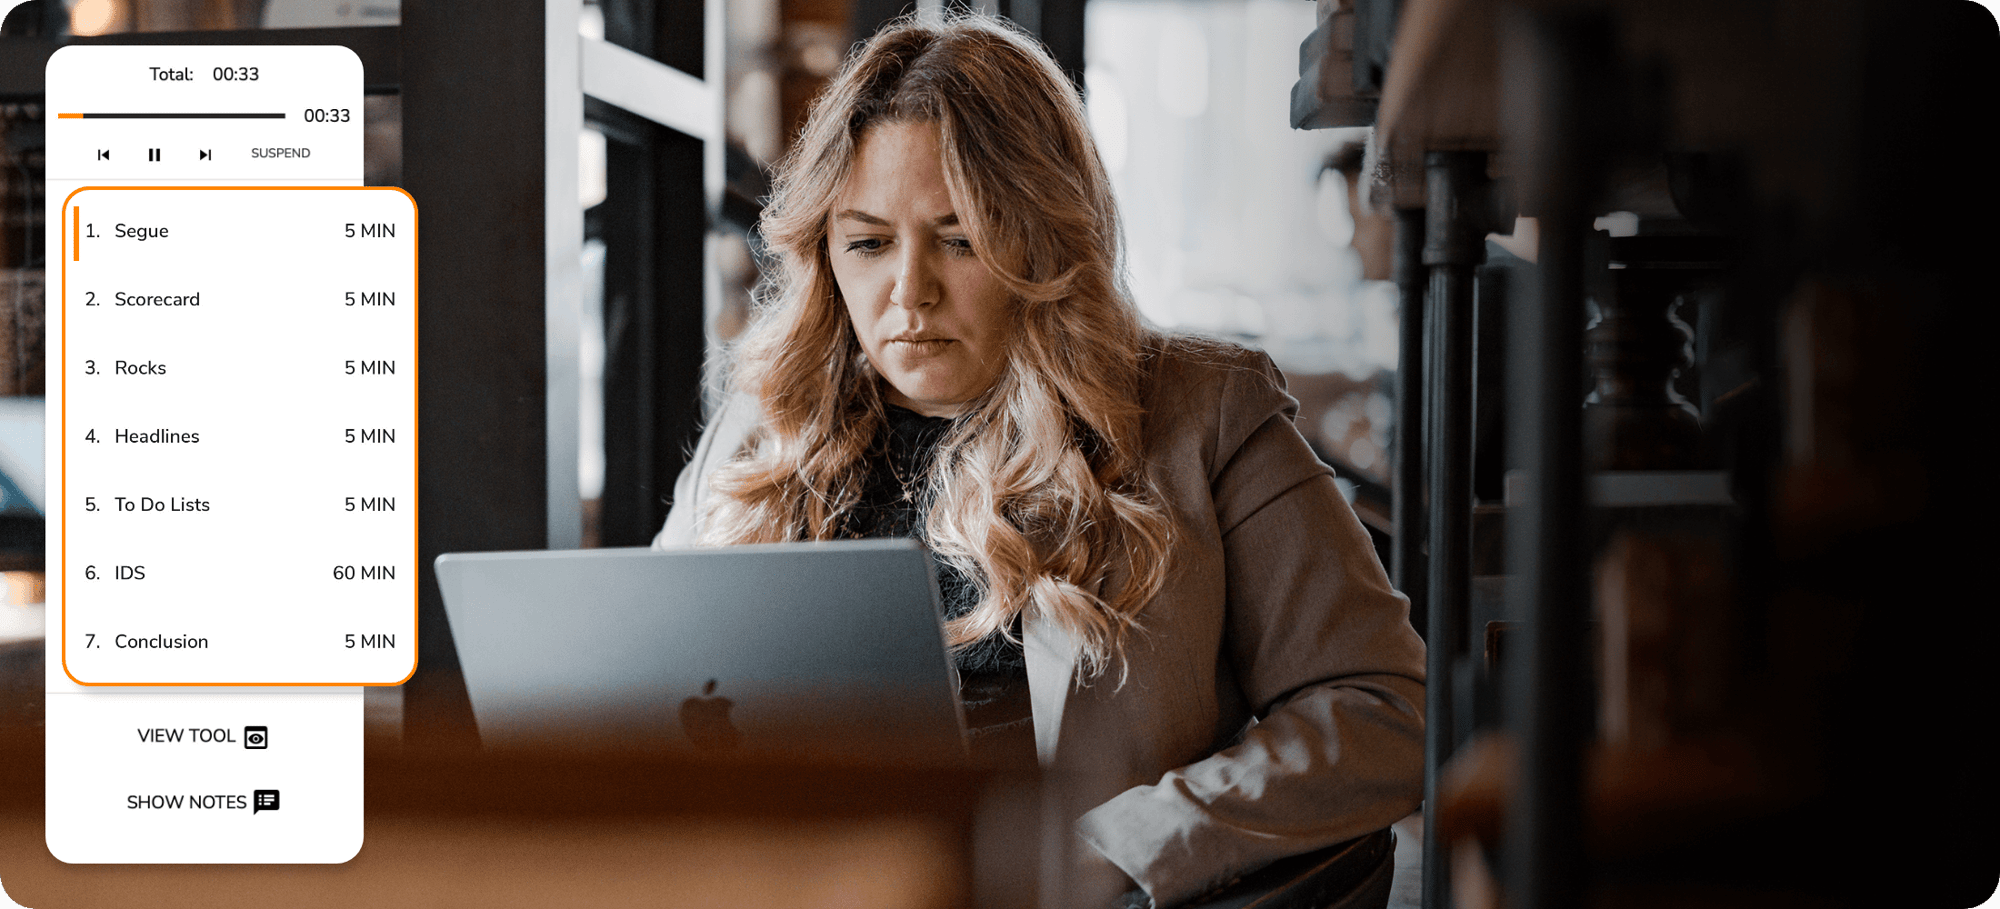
x: 1150, y: 580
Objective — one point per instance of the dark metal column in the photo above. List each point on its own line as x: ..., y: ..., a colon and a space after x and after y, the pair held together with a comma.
x: 1554, y: 65
x: 656, y: 222
x: 633, y: 490
x: 472, y: 91
x: 1454, y: 245
x: 1406, y: 557
x: 1059, y: 23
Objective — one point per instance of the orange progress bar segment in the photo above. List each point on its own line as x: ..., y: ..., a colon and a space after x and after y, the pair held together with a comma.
x: 69, y: 116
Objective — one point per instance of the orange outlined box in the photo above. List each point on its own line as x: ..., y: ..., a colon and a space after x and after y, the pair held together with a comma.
x: 236, y: 509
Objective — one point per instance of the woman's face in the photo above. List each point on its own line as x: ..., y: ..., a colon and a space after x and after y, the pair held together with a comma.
x: 931, y: 317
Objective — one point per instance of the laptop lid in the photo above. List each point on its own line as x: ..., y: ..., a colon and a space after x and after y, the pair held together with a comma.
x: 800, y: 651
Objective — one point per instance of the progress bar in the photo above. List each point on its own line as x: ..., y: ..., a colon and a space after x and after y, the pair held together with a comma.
x: 170, y: 116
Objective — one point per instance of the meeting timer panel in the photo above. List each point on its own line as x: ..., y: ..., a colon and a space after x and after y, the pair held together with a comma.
x: 203, y: 114
x: 145, y: 773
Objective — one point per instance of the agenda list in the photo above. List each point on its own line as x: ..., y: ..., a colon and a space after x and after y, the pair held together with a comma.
x: 239, y: 444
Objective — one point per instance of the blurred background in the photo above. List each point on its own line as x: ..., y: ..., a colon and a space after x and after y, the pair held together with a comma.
x: 1641, y: 336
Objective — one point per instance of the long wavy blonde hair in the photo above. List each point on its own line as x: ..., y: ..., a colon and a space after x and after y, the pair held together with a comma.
x: 1038, y: 493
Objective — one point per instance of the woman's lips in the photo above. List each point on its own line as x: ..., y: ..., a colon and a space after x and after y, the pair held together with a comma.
x: 922, y: 346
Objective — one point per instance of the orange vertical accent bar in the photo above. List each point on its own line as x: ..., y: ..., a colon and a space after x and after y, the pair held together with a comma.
x: 76, y: 238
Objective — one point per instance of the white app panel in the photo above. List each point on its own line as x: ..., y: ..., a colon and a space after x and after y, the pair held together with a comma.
x: 178, y: 118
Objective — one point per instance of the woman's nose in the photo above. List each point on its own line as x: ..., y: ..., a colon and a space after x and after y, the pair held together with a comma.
x: 916, y: 281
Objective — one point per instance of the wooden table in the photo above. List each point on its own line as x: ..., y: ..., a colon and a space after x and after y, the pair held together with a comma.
x: 550, y: 829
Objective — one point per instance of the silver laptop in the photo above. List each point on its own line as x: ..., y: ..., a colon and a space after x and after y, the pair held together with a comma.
x: 810, y: 651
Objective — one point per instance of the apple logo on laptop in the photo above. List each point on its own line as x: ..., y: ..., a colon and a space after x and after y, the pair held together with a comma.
x: 705, y: 719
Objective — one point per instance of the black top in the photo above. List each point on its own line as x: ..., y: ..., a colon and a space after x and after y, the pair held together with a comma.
x: 993, y: 673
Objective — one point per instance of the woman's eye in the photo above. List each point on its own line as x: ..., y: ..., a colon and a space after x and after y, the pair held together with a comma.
x: 865, y: 247
x: 960, y: 246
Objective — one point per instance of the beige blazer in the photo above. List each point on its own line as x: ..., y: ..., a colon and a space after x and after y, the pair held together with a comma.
x: 1274, y: 702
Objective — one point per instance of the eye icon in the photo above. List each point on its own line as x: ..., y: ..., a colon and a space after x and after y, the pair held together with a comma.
x: 256, y: 737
